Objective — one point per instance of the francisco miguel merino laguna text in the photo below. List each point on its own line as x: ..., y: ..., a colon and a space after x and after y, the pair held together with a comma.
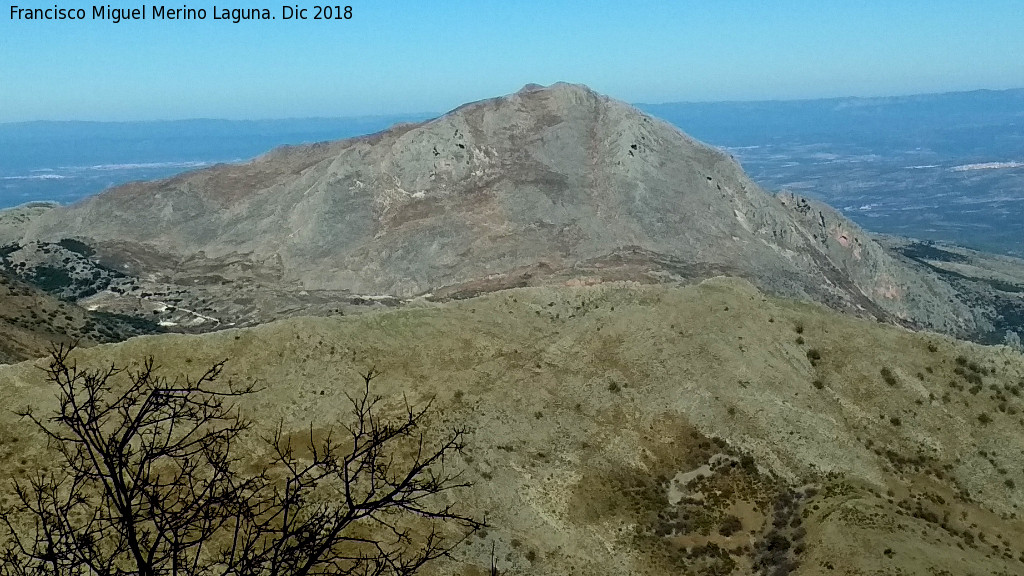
x: 235, y: 15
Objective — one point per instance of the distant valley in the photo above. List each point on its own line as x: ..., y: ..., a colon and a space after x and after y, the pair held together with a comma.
x: 944, y: 167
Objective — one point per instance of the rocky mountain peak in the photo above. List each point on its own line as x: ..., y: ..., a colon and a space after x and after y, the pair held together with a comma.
x: 548, y: 184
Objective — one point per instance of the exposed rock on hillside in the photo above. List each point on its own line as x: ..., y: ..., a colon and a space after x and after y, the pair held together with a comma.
x: 529, y: 188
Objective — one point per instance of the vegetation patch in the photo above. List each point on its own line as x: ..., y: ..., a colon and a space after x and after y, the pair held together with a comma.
x: 78, y: 247
x: 52, y: 279
x: 698, y: 506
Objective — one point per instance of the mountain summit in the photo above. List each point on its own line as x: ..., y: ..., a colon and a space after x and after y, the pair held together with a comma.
x: 549, y: 184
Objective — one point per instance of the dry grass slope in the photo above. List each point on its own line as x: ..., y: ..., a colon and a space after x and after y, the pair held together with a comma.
x: 626, y: 429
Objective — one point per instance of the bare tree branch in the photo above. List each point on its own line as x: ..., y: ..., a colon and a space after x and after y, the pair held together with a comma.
x: 151, y: 486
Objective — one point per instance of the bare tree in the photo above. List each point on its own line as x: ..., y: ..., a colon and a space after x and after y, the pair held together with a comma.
x: 150, y: 483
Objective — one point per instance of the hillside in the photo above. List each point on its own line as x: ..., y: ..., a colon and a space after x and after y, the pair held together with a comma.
x: 617, y: 429
x: 539, y: 187
x: 941, y: 167
x: 32, y: 320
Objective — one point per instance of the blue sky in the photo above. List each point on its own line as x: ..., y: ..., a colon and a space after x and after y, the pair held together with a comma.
x: 398, y: 56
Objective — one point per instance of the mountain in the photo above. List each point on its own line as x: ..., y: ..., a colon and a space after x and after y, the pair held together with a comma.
x: 942, y: 167
x: 547, y: 185
x: 627, y: 429
x: 547, y: 269
x: 68, y: 161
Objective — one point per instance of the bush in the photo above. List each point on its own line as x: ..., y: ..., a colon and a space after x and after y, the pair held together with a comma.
x: 814, y: 356
x: 748, y: 464
x: 889, y: 377
x: 730, y: 526
x: 77, y: 246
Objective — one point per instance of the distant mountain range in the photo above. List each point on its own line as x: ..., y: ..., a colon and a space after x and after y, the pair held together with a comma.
x: 937, y: 121
x: 893, y: 165
x: 68, y: 161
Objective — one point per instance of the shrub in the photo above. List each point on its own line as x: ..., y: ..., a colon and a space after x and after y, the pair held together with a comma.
x: 730, y: 526
x: 748, y: 464
x: 889, y: 377
x: 814, y: 356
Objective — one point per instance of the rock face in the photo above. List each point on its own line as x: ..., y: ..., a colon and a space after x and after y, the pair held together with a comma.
x: 544, y: 185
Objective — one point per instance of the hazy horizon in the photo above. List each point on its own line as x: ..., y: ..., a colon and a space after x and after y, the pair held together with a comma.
x: 940, y: 166
x: 407, y: 57
x: 426, y: 114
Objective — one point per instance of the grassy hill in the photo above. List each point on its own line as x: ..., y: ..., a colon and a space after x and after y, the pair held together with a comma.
x: 626, y: 429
